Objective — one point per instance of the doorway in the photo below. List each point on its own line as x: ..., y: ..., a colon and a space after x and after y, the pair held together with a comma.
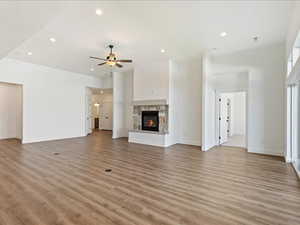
x: 99, y: 110
x: 231, y: 119
x: 11, y: 111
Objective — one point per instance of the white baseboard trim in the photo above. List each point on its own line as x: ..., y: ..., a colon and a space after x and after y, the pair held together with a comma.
x: 287, y: 159
x: 266, y: 151
x: 150, y: 139
x: 208, y: 147
x: 143, y: 142
x: 296, y: 168
x: 189, y: 141
x: 119, y: 133
x: 29, y: 141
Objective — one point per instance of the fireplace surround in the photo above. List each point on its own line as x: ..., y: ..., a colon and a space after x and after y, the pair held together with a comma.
x: 157, y: 113
x: 150, y: 123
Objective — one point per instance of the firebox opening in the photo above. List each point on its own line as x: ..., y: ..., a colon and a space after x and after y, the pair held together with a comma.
x: 150, y: 120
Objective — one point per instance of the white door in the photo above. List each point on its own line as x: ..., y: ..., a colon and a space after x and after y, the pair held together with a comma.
x: 106, y: 114
x: 88, y: 111
x: 223, y: 120
x: 229, y: 128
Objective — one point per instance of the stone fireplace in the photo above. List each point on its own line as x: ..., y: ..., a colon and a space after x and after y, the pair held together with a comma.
x: 151, y: 123
x: 150, y: 118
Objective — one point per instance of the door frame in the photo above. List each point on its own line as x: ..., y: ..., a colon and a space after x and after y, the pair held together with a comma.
x: 293, y: 123
x: 87, y: 91
x: 86, y: 121
x: 21, y: 127
x: 217, y: 106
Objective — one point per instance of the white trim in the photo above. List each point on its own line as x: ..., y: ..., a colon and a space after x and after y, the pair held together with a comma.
x: 144, y: 142
x: 296, y: 168
x: 209, y: 147
x: 266, y: 151
x: 149, y: 139
x: 46, y: 139
x: 287, y: 159
x: 119, y: 133
x: 150, y: 102
x: 189, y: 141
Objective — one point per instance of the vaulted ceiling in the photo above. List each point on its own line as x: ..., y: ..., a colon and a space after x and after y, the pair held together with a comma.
x: 138, y: 29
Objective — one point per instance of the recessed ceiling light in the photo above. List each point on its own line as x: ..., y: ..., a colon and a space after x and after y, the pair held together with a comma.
x: 223, y: 34
x: 92, y: 69
x: 52, y: 40
x: 256, y: 39
x: 29, y: 53
x: 99, y: 12
x: 162, y: 51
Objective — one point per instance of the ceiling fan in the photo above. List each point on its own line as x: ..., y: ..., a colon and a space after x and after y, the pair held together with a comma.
x: 111, y: 59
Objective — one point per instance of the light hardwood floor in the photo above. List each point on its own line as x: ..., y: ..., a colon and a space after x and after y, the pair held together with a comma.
x: 179, y: 185
x: 236, y: 141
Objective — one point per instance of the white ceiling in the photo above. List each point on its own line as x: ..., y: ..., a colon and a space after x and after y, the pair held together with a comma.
x: 138, y: 29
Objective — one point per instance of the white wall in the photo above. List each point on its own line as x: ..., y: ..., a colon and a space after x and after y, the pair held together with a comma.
x: 265, y: 95
x: 186, y: 88
x: 53, y: 100
x: 10, y: 111
x: 209, y: 131
x: 122, y: 103
x: 107, y: 81
x: 239, y: 113
x: 151, y: 81
x: 230, y: 82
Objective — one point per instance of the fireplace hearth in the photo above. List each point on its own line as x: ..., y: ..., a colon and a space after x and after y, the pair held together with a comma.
x: 150, y: 120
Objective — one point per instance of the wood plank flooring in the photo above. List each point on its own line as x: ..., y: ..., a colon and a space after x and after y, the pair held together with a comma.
x: 64, y: 182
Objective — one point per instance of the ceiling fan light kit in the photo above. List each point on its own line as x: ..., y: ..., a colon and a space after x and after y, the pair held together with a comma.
x: 111, y: 59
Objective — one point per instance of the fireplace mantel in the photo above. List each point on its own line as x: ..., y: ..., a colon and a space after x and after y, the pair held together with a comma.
x: 149, y: 132
x: 150, y: 102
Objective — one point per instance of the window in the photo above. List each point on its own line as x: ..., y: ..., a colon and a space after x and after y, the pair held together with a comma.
x: 294, y: 55
x: 289, y: 65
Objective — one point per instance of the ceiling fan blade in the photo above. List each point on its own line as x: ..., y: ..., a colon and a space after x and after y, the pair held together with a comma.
x: 101, y: 64
x: 92, y: 57
x: 125, y: 60
x: 119, y: 65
